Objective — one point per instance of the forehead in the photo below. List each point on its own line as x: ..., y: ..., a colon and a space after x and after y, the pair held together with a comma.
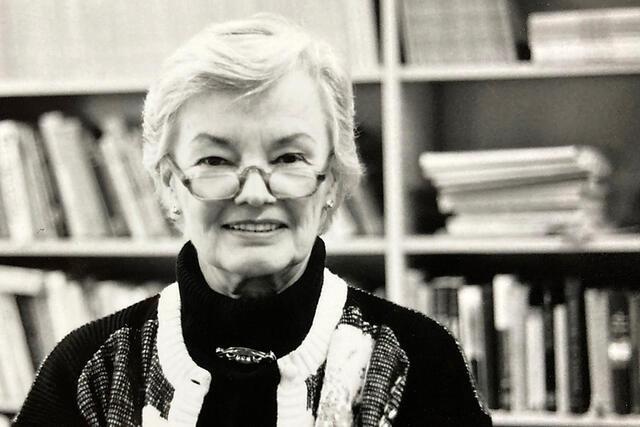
x: 292, y: 105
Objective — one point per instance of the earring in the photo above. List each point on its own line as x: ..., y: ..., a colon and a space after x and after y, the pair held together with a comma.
x: 329, y: 204
x: 175, y: 211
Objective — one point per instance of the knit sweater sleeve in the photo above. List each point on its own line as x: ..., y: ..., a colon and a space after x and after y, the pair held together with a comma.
x: 52, y: 399
x: 441, y: 390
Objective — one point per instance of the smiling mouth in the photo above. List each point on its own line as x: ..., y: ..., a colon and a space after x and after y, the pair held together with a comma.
x: 254, y: 227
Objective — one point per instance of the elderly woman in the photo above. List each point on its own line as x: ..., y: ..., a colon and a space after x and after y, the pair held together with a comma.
x: 249, y: 136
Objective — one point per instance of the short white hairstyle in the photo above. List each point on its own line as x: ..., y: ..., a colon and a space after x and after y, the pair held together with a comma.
x: 249, y: 56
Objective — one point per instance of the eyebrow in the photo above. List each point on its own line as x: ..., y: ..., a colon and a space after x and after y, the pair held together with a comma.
x: 298, y: 137
x: 212, y: 139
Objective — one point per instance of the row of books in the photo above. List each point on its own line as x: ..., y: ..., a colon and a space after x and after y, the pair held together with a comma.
x: 587, y: 35
x: 520, y: 191
x: 543, y: 345
x: 62, y: 182
x: 38, y: 308
x: 68, y: 39
x: 458, y: 31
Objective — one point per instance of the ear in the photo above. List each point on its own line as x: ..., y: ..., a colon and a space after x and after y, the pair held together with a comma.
x: 330, y: 197
x: 331, y: 187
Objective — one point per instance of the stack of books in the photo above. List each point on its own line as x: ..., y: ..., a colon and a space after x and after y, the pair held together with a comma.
x: 584, y: 36
x: 458, y: 31
x: 62, y: 182
x: 38, y: 308
x: 552, y: 345
x: 103, y: 40
x: 528, y: 191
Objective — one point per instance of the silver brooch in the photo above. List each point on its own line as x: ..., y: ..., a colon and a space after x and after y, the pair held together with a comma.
x: 244, y: 355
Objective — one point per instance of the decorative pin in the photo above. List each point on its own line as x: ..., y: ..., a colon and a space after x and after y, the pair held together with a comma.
x: 244, y: 355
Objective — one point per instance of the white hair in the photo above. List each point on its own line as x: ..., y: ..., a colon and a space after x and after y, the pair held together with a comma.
x: 249, y: 56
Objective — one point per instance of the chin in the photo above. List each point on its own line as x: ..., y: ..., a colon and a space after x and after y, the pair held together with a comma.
x: 257, y: 261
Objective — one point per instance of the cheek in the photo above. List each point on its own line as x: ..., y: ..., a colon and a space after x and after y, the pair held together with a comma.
x: 199, y: 217
x: 308, y: 216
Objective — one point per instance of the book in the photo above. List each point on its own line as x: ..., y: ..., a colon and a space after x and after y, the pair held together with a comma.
x: 519, y: 173
x: 471, y: 331
x: 585, y: 35
x: 56, y: 298
x: 537, y: 223
x: 450, y: 31
x: 416, y: 292
x: 548, y: 347
x: 619, y: 351
x: 14, y: 184
x: 45, y: 196
x: 561, y: 356
x: 5, y: 233
x: 489, y: 369
x: 525, y: 203
x: 535, y: 359
x: 116, y: 170
x: 585, y: 157
x: 518, y: 310
x: 597, y: 320
x: 579, y: 381
x: 502, y: 285
x: 114, y: 211
x: 634, y: 329
x: 21, y: 368
x: 130, y: 144
x: 445, y: 296
x: 80, y: 193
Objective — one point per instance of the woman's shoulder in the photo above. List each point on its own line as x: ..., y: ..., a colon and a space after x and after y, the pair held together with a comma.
x: 82, y: 342
x: 401, y: 319
x: 62, y: 367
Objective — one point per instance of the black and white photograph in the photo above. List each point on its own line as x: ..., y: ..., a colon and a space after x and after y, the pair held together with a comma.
x: 330, y: 213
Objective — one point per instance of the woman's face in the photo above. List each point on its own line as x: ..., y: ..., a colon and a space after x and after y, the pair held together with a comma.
x: 254, y: 234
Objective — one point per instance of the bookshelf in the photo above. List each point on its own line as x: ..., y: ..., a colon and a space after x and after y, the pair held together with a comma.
x: 406, y: 109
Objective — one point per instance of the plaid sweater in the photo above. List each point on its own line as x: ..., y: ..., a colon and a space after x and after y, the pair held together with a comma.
x: 356, y: 360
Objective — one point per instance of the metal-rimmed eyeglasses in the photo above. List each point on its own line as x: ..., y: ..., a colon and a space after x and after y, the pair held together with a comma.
x: 287, y: 182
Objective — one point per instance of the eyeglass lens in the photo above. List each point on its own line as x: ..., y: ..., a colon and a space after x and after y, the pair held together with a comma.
x: 283, y: 184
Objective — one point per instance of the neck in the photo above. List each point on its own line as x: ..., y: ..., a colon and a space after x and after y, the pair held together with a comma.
x: 237, y: 286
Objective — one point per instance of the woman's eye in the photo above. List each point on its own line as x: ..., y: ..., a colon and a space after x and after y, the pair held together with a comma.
x: 213, y: 161
x: 290, y: 158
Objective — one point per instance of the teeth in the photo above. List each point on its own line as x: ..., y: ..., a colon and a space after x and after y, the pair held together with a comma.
x: 255, y: 228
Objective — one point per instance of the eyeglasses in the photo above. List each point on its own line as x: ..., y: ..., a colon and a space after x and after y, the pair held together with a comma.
x: 283, y: 182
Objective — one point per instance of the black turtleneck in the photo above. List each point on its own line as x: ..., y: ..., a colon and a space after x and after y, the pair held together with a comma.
x: 244, y: 394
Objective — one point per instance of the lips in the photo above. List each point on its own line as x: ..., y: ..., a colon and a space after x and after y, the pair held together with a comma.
x: 262, y: 226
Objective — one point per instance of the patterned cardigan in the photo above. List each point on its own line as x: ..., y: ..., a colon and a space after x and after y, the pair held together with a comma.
x: 363, y: 362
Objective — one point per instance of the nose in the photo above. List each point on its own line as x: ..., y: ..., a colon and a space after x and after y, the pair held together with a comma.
x: 254, y: 191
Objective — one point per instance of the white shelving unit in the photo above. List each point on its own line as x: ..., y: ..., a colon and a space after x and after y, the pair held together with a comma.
x: 534, y: 419
x: 406, y: 106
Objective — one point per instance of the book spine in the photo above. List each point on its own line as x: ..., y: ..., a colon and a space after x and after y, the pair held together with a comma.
x: 597, y: 318
x: 619, y: 351
x: 535, y: 359
x: 561, y: 355
x: 549, y: 349
x: 17, y: 341
x: 502, y: 293
x: 634, y: 326
x: 470, y: 315
x: 13, y: 182
x: 579, y: 382
x: 490, y: 348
